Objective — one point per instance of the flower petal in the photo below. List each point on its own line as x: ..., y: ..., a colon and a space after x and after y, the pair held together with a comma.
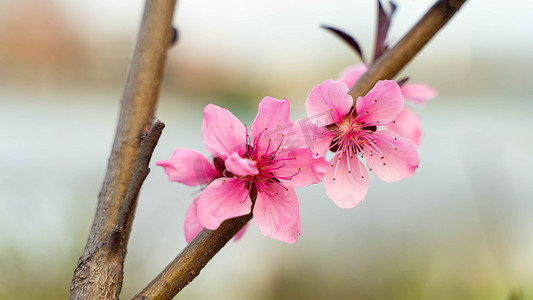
x: 298, y: 167
x: 223, y: 199
x: 223, y: 133
x: 408, y: 126
x: 311, y: 136
x: 328, y: 103
x: 351, y: 74
x: 278, y: 216
x: 271, y: 123
x: 381, y: 105
x: 418, y: 93
x: 188, y: 167
x: 192, y: 225
x: 396, y: 159
x: 240, y: 166
x: 346, y: 180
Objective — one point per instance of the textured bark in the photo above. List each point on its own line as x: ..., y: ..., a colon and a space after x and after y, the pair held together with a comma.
x: 100, y: 271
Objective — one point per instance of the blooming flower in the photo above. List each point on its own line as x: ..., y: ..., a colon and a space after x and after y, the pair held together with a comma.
x: 355, y: 134
x: 407, y: 123
x: 193, y: 169
x: 260, y: 164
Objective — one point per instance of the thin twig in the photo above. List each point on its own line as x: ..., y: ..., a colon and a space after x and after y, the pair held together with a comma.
x: 184, y: 267
x: 122, y: 229
x: 99, y: 275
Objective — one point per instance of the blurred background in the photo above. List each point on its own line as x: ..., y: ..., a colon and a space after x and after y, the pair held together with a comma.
x: 461, y: 228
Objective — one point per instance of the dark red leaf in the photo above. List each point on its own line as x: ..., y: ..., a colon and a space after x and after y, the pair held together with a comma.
x: 348, y: 39
x: 402, y: 81
x: 384, y: 20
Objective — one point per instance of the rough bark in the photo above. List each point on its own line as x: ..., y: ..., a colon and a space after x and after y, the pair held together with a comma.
x: 99, y: 272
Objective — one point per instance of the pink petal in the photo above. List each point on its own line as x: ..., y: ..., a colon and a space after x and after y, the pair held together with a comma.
x: 328, y: 103
x: 241, y: 232
x: 418, y: 93
x: 381, y: 105
x: 223, y: 133
x: 309, y: 135
x: 192, y: 225
x: 298, y: 167
x: 396, y: 159
x: 240, y: 166
x: 408, y: 126
x: 351, y: 74
x: 188, y: 167
x: 277, y: 215
x: 223, y: 199
x: 346, y: 180
x: 271, y: 123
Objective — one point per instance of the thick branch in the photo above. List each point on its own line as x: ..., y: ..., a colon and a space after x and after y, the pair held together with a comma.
x: 184, y: 268
x: 97, y: 277
x: 392, y: 61
x: 188, y: 264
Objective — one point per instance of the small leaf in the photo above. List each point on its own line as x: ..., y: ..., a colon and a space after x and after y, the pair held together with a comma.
x: 348, y: 39
x: 384, y: 20
x: 402, y: 81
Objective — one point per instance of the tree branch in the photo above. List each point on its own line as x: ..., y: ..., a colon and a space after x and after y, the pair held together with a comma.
x: 120, y: 234
x: 392, y: 61
x: 98, y: 274
x: 188, y: 264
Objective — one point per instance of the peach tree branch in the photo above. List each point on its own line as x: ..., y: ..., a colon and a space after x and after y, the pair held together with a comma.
x: 99, y: 272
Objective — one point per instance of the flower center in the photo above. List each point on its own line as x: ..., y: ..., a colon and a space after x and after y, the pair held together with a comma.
x: 267, y: 164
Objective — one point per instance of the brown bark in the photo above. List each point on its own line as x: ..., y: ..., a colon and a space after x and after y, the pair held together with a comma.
x: 395, y: 59
x: 184, y: 268
x: 99, y: 272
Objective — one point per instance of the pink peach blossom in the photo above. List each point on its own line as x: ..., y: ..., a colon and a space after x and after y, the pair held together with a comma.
x: 407, y: 124
x: 356, y: 135
x: 261, y: 162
